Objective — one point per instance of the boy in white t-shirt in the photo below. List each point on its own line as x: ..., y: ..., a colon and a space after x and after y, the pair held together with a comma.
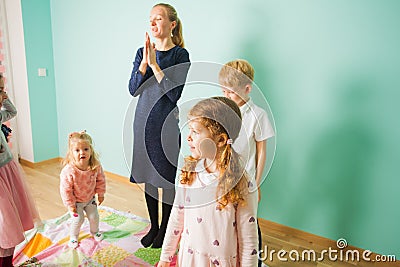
x: 236, y: 78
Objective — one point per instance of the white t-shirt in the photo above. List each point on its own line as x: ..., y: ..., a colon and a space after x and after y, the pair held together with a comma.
x: 255, y: 127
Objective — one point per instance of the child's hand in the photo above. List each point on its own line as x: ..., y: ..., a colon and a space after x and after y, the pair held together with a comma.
x: 72, y: 209
x: 4, y: 95
x: 163, y: 264
x: 100, y: 199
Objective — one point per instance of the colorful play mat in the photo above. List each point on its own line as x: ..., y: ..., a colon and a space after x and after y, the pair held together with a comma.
x: 121, y: 246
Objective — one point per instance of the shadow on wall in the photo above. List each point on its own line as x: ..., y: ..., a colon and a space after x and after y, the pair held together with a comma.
x: 252, y: 47
x: 335, y: 182
x: 330, y: 85
x: 324, y: 192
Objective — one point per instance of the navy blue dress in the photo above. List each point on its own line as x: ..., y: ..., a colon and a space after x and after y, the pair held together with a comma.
x: 156, y: 140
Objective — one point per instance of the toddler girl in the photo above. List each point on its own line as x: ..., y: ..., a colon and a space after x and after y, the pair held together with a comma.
x: 80, y: 180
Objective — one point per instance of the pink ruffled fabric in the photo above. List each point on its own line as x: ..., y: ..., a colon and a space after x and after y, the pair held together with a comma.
x: 18, y: 212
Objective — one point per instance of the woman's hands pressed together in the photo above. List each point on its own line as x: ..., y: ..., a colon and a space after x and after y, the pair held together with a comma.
x: 149, y: 59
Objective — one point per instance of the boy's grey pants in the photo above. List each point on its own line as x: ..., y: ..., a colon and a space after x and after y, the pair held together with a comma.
x: 92, y: 214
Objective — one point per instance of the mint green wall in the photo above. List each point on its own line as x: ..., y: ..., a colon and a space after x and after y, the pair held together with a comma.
x: 42, y: 93
x: 329, y: 70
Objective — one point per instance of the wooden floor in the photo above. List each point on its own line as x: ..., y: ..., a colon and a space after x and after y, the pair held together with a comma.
x: 125, y: 196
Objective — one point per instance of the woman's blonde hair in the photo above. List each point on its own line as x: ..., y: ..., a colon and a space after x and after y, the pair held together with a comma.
x: 177, y: 36
x: 82, y: 136
x: 220, y: 116
x: 236, y: 74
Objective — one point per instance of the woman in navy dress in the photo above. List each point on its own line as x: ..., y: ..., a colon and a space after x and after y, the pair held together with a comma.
x: 158, y: 77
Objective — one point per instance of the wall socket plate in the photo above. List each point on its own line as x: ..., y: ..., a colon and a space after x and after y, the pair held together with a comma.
x: 42, y: 72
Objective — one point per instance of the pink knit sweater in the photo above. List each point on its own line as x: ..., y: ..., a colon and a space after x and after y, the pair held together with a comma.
x: 81, y: 186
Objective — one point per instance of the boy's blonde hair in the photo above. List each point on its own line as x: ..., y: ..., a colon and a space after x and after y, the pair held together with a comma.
x: 82, y: 136
x: 220, y: 115
x: 236, y: 74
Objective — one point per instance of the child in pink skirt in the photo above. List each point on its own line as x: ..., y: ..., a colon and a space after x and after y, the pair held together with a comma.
x: 17, y: 209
